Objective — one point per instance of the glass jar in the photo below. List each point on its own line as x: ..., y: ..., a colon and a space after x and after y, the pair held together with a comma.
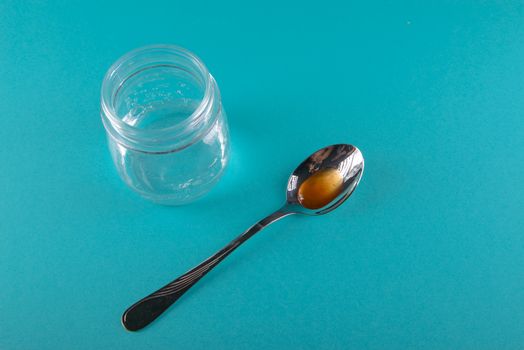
x: 165, y: 124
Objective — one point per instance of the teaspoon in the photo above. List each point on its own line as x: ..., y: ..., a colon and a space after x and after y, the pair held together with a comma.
x: 317, y: 186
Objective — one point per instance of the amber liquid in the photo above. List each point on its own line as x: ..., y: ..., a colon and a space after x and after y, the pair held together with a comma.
x: 320, y: 188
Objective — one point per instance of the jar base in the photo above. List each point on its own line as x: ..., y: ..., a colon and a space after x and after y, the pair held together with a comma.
x: 174, y: 199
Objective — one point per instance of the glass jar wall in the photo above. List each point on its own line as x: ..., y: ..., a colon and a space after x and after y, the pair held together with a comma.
x: 165, y: 124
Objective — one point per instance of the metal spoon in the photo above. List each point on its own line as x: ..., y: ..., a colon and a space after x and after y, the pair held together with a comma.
x: 346, y: 159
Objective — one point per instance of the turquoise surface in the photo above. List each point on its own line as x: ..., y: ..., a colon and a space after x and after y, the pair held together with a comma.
x: 427, y: 254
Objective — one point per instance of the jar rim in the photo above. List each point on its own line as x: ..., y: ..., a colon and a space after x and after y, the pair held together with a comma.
x: 114, y: 124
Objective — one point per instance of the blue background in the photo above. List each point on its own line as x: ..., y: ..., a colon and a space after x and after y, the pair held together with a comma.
x: 427, y: 254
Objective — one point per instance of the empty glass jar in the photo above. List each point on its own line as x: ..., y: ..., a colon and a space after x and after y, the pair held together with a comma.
x: 166, y: 127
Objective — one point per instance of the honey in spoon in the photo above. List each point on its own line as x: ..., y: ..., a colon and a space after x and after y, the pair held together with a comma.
x: 320, y: 189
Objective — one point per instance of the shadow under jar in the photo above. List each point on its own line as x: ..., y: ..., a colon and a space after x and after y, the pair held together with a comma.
x: 166, y: 128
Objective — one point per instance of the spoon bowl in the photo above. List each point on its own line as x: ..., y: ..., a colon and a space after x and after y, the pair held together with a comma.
x: 347, y: 164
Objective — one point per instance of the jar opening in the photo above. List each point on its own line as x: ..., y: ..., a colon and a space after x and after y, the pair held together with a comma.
x: 156, y: 96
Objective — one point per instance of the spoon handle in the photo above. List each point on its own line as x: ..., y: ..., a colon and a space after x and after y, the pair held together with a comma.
x: 149, y: 308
